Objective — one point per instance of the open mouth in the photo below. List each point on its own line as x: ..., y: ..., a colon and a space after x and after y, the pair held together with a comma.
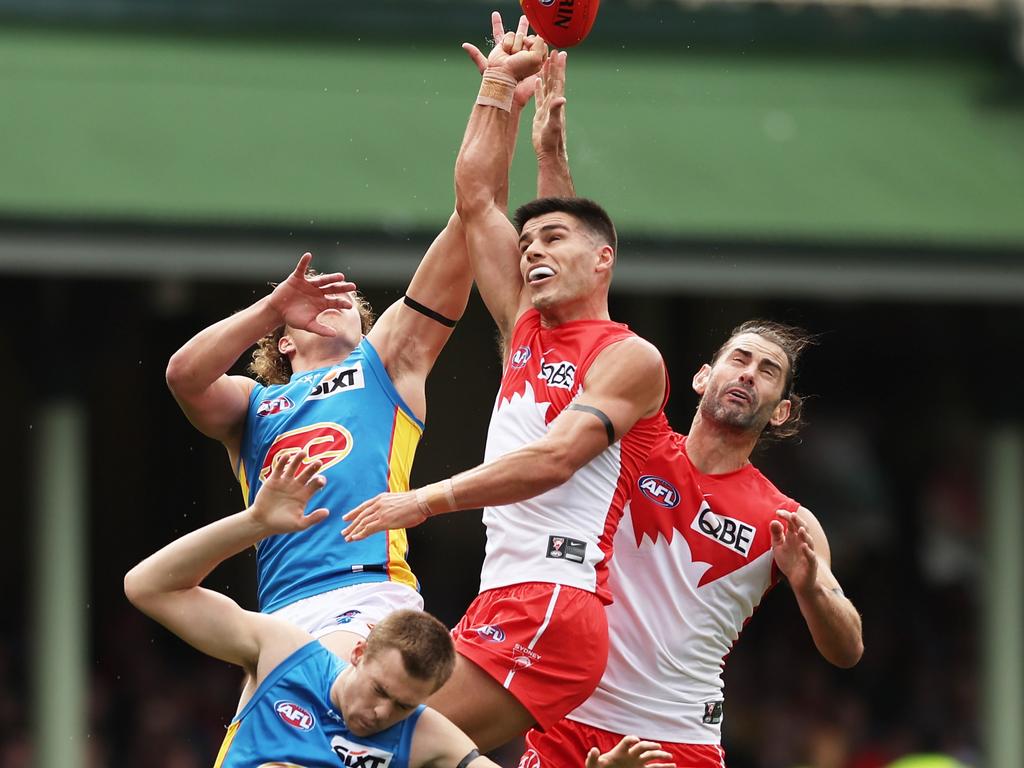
x: 739, y: 394
x: 537, y: 274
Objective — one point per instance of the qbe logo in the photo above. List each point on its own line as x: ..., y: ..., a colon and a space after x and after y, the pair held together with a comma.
x: 520, y: 357
x: 659, y: 490
x: 530, y: 759
x: 561, y: 374
x: 294, y: 715
x: 734, y: 534
x: 359, y: 755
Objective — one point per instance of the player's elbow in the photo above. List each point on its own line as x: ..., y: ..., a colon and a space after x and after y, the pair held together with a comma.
x: 136, y: 588
x: 848, y: 653
x: 473, y: 197
x: 179, y: 373
x: 556, y: 466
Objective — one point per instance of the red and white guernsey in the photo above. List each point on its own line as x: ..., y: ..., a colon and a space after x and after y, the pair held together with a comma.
x: 692, y: 561
x: 563, y: 536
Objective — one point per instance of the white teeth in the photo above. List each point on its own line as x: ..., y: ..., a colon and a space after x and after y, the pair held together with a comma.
x: 539, y: 273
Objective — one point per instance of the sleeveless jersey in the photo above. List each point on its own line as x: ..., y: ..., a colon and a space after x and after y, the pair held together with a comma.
x: 291, y: 721
x: 563, y: 536
x: 350, y: 417
x: 692, y: 561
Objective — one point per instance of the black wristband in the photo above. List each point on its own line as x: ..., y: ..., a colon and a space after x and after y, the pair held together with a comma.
x: 473, y: 755
x: 428, y: 312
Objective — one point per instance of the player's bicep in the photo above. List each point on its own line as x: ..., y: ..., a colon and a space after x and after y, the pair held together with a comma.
x: 625, y: 384
x: 219, y: 410
x: 494, y: 254
x: 439, y: 742
x: 411, y: 333
x: 208, y: 621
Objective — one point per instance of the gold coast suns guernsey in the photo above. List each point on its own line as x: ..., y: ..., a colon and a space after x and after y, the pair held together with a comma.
x: 693, y: 559
x: 350, y: 417
x: 563, y: 536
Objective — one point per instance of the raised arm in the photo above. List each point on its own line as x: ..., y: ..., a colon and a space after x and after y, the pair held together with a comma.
x: 801, y: 552
x: 165, y: 586
x: 625, y: 384
x: 197, y: 373
x: 481, y: 174
x: 548, y: 134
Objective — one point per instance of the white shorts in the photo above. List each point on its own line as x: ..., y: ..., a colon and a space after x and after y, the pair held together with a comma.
x: 350, y: 609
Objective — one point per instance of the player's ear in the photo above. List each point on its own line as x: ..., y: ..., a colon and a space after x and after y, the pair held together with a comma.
x: 605, y: 259
x: 285, y: 345
x: 357, y: 653
x: 700, y: 379
x: 781, y: 413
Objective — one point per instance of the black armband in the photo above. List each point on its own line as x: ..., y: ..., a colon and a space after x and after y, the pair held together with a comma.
x: 428, y: 312
x: 473, y: 755
x: 601, y: 415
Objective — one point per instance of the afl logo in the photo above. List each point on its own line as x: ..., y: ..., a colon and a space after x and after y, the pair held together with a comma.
x: 274, y: 406
x: 493, y: 631
x: 660, y: 491
x: 294, y: 715
x: 520, y: 357
x: 547, y: 2
x: 324, y: 442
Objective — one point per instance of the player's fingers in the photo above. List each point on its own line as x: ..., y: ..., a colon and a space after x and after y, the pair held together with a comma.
x: 776, y: 530
x: 497, y: 28
x: 321, y: 330
x: 314, y: 517
x: 592, y: 757
x: 300, y: 268
x: 557, y: 109
x: 643, y: 746
x: 308, y: 470
x: 476, y: 56
x: 806, y: 551
x: 355, y: 513
x: 521, y: 30
x: 507, y: 41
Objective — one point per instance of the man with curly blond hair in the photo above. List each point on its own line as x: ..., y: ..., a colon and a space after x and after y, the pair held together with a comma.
x: 349, y: 392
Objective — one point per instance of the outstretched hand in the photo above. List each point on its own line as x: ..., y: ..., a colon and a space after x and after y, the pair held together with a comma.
x: 793, y: 550
x: 517, y: 54
x: 301, y: 298
x: 631, y: 752
x: 384, y: 512
x: 525, y: 88
x: 280, y: 504
x: 549, y: 120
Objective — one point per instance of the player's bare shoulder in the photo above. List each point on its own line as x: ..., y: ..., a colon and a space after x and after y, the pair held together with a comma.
x: 632, y: 367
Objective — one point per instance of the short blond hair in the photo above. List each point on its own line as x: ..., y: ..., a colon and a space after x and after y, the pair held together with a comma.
x: 424, y: 643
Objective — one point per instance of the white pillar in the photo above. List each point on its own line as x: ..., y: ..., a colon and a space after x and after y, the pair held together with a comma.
x: 60, y: 579
x: 1002, y: 677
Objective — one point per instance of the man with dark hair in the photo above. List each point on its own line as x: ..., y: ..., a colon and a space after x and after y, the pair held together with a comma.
x: 579, y: 408
x: 309, y: 707
x: 706, y: 535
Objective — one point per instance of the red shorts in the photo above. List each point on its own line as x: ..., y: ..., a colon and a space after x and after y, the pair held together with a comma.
x: 547, y: 644
x: 566, y: 744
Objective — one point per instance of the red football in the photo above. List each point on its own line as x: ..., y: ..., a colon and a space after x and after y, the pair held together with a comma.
x: 562, y: 23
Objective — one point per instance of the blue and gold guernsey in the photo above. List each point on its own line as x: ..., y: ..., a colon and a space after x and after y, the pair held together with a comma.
x: 350, y: 417
x: 290, y: 722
